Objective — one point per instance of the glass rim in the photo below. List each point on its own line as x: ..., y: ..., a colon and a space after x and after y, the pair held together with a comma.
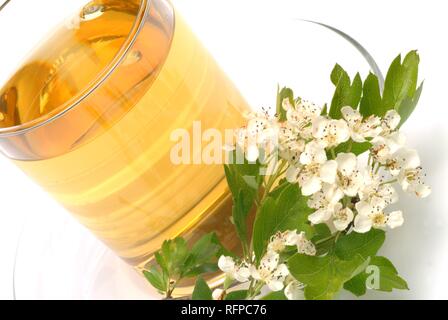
x: 94, y: 84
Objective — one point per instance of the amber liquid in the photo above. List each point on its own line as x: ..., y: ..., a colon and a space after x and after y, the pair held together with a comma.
x: 107, y: 159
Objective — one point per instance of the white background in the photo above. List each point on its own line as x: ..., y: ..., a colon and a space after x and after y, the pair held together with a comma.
x: 386, y: 28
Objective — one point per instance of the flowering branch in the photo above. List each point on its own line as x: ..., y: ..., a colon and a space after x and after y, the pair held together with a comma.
x: 322, y: 181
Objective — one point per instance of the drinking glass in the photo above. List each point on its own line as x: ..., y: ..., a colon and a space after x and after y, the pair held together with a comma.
x: 90, y: 113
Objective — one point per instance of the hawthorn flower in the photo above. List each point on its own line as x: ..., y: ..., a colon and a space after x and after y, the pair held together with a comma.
x: 324, y: 202
x: 342, y: 217
x: 376, y: 192
x: 349, y: 177
x: 316, y: 169
x: 374, y: 217
x: 261, y: 132
x: 294, y: 290
x: 301, y: 116
x: 281, y: 240
x: 330, y: 133
x: 390, y: 122
x: 240, y: 273
x: 290, y: 145
x: 411, y: 180
x: 270, y: 271
x: 385, y: 146
x: 361, y: 129
x: 305, y: 246
x: 402, y: 160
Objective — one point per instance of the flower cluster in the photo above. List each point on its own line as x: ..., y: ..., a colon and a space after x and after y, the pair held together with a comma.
x: 347, y: 190
x: 271, y: 271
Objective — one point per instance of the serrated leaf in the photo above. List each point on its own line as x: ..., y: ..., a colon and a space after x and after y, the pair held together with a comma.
x: 388, y: 278
x: 324, y: 276
x: 363, y: 244
x: 289, y: 211
x: 204, y: 250
x: 347, y: 93
x: 408, y: 105
x: 284, y: 93
x: 401, y: 80
x: 157, y: 279
x: 371, y: 101
x: 201, y: 290
x: 172, y: 256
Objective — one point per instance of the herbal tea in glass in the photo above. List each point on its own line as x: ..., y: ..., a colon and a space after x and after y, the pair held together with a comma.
x: 89, y: 114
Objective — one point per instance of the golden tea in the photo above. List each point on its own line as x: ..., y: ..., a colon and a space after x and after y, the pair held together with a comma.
x: 89, y: 116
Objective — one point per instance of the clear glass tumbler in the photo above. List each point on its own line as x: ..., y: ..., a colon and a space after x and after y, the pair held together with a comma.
x: 89, y: 115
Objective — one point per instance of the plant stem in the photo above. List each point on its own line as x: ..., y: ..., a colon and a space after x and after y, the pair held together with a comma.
x: 333, y: 153
x: 350, y: 146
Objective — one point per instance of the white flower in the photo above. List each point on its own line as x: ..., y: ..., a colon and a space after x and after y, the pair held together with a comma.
x: 280, y: 240
x: 403, y: 159
x: 270, y: 272
x: 390, y: 121
x: 294, y: 290
x: 226, y: 264
x: 240, y: 273
x: 290, y: 144
x: 261, y: 132
x: 377, y: 193
x: 218, y: 294
x: 385, y: 146
x: 324, y: 202
x: 305, y: 246
x: 361, y: 129
x: 411, y: 180
x: 302, y: 114
x: 349, y: 178
x: 316, y: 169
x: 330, y: 133
x: 374, y: 217
x: 342, y: 217
x: 313, y: 153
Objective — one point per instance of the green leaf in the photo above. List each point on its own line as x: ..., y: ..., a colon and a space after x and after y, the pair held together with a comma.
x: 346, y: 93
x: 285, y: 93
x: 324, y: 276
x: 408, y: 105
x: 275, y: 295
x: 322, y: 239
x: 321, y: 231
x: 172, y: 256
x: 363, y: 244
x: 401, y: 80
x: 289, y: 211
x: 201, y: 290
x: 206, y: 248
x: 353, y: 147
x: 388, y: 278
x: 157, y: 279
x: 244, y: 181
x: 371, y: 102
x: 282, y: 185
x: 324, y: 110
x: 236, y: 295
